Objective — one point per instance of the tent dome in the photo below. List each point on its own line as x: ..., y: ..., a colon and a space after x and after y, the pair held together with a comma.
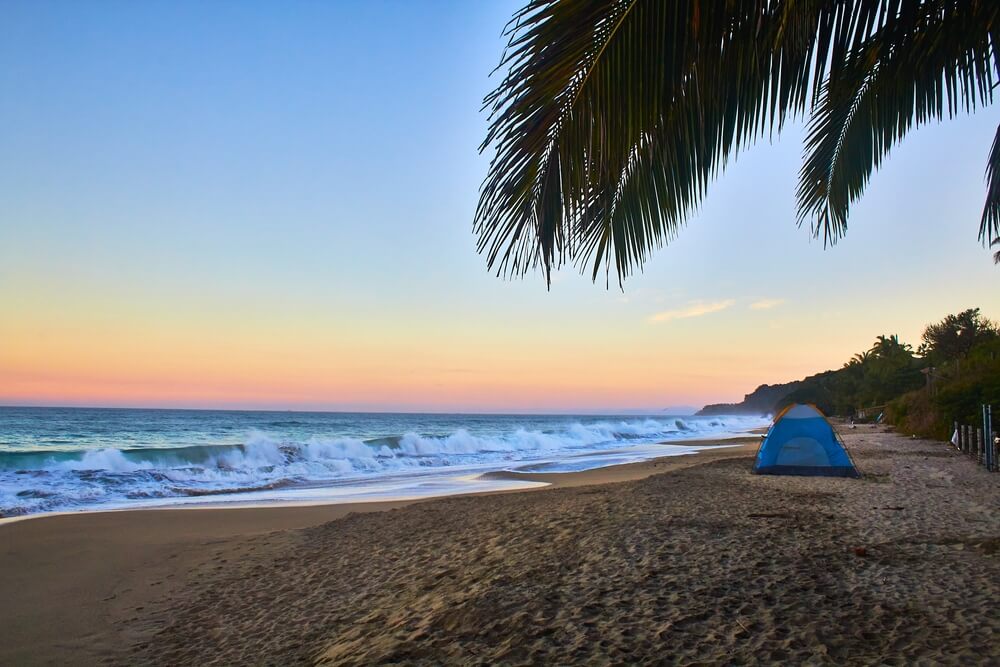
x: 802, y: 442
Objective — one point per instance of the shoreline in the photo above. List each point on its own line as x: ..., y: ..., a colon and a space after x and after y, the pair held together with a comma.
x: 626, y: 472
x: 529, y: 481
x: 88, y: 572
x: 619, y: 472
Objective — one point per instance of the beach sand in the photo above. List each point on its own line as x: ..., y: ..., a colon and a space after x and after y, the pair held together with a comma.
x: 704, y: 563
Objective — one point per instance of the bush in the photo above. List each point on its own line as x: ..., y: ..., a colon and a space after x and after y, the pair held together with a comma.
x: 962, y: 388
x: 915, y: 413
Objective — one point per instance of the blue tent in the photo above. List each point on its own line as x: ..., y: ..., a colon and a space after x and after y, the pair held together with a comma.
x: 802, y: 442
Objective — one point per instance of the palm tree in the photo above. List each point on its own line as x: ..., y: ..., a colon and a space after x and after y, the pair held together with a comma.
x: 887, y: 346
x: 613, y: 116
x: 996, y: 255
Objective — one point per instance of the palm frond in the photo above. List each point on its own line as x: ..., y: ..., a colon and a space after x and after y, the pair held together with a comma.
x: 721, y: 104
x: 989, y: 226
x: 931, y: 60
x: 613, y: 117
x: 551, y: 52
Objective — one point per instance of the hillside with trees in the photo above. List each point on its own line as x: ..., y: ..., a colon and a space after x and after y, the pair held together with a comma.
x: 960, y: 356
x: 760, y: 401
x: 954, y: 370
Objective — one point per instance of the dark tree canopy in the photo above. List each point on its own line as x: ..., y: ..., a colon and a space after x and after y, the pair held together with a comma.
x: 613, y: 116
x: 955, y: 335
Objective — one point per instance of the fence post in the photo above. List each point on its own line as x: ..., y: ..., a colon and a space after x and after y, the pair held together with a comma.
x: 988, y: 430
x: 985, y: 435
x: 996, y: 451
x: 968, y: 440
x: 979, y: 446
x: 987, y: 450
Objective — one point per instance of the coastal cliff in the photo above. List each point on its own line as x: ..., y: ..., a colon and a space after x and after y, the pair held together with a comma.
x: 760, y: 401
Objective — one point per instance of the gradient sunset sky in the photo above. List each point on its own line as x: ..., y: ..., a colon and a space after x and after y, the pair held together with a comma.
x: 269, y: 205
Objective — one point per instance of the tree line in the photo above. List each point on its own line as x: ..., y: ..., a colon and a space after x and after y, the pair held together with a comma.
x: 954, y: 370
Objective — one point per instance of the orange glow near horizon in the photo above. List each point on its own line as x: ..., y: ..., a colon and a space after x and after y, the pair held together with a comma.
x: 107, y: 347
x: 121, y: 354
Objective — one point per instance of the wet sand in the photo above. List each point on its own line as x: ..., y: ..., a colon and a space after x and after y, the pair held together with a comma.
x: 704, y: 563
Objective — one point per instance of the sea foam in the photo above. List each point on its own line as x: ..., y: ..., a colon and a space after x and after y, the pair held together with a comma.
x: 37, y: 481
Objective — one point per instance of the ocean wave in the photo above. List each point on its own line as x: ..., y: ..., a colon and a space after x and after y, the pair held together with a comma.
x: 36, y: 481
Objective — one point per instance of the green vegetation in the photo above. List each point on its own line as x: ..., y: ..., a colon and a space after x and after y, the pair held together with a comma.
x: 952, y: 373
x: 870, y: 378
x: 612, y: 118
x: 962, y: 356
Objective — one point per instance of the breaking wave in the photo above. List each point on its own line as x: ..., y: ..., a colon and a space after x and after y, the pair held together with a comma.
x: 54, y: 479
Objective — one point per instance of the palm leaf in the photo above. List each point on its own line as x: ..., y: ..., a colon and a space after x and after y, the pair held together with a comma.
x: 990, y: 223
x: 597, y: 92
x: 932, y: 59
x: 613, y: 117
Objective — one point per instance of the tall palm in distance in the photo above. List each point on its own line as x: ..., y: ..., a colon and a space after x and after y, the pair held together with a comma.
x: 859, y: 359
x: 613, y: 116
x: 887, y: 346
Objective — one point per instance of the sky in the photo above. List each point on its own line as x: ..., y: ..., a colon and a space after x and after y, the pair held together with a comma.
x: 269, y: 205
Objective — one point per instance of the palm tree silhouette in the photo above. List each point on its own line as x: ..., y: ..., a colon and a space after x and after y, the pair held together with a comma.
x: 613, y: 116
x: 860, y: 359
x: 887, y: 346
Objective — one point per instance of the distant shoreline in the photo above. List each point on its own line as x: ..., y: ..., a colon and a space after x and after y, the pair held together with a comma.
x: 689, y: 411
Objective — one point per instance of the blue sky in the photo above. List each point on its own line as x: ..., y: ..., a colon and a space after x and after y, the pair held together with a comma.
x: 270, y: 205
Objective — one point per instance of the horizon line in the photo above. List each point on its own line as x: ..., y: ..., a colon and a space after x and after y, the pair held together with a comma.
x: 581, y: 412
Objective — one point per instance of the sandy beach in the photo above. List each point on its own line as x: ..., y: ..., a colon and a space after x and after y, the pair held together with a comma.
x: 684, y: 560
x: 499, y: 333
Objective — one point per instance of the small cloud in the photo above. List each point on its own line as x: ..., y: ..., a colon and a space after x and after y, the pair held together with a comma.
x: 766, y: 304
x: 693, y: 310
x: 643, y: 294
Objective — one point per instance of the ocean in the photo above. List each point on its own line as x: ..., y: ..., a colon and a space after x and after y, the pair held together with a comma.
x: 80, y: 459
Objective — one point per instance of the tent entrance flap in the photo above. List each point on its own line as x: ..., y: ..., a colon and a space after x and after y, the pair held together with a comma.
x: 803, y: 452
